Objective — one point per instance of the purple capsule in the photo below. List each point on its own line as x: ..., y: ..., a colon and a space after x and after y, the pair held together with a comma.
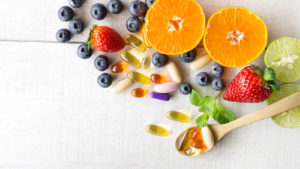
x: 160, y: 96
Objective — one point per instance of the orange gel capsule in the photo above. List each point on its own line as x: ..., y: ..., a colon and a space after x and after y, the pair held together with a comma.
x: 139, y: 92
x: 118, y: 67
x: 157, y: 78
x: 197, y: 140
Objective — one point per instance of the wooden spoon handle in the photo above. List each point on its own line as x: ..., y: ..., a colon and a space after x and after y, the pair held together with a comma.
x: 269, y: 111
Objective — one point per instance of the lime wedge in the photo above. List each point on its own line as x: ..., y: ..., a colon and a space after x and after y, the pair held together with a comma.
x: 291, y: 118
x: 283, y: 55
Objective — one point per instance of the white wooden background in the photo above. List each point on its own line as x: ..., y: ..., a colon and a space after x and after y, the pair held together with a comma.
x: 53, y: 114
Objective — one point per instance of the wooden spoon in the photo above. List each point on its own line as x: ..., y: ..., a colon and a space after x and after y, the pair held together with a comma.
x: 220, y: 130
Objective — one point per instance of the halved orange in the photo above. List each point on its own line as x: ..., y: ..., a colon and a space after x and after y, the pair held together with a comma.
x: 175, y: 26
x: 235, y: 36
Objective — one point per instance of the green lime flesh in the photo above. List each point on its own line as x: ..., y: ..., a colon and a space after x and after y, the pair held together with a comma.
x: 283, y: 55
x: 291, y: 118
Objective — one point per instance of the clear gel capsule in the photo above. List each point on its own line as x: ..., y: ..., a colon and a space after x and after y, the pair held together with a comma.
x: 139, y: 77
x: 146, y: 62
x: 157, y: 130
x: 136, y: 43
x: 130, y: 59
x: 178, y: 116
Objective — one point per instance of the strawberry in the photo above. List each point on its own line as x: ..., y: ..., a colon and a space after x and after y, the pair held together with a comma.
x: 105, y: 39
x: 249, y: 87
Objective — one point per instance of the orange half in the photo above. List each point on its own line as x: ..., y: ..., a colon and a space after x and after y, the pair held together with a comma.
x: 175, y: 26
x: 235, y: 36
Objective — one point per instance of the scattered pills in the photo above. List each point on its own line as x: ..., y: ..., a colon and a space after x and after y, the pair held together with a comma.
x: 166, y: 87
x: 174, y: 72
x: 122, y: 85
x: 160, y: 96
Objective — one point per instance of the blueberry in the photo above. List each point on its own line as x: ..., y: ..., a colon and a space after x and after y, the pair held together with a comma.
x: 149, y: 3
x: 217, y: 84
x: 159, y: 60
x: 98, y: 11
x: 63, y: 35
x: 202, y: 79
x: 217, y: 70
x: 137, y: 8
x: 65, y: 13
x: 104, y: 80
x: 84, y: 52
x: 101, y: 62
x: 188, y: 57
x: 76, y: 26
x: 134, y: 24
x: 76, y: 3
x: 115, y: 6
x: 185, y: 88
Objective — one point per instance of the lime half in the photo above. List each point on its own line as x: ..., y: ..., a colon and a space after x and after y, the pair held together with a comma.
x: 283, y: 55
x: 291, y: 118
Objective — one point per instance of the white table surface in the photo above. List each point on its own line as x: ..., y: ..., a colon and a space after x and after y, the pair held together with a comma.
x: 53, y: 114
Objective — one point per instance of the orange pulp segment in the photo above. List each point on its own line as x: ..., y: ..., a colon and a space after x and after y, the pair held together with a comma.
x: 175, y: 26
x: 235, y: 36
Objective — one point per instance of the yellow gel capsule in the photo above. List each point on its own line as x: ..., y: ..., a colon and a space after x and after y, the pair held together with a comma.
x: 157, y: 130
x: 178, y: 116
x: 130, y: 59
x: 146, y: 62
x: 139, y: 77
x: 136, y: 43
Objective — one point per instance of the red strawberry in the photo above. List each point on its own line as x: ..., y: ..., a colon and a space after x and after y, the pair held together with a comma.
x: 105, y: 39
x: 247, y: 86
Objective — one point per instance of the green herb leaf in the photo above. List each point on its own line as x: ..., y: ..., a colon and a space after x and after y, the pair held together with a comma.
x: 206, y: 105
x: 221, y: 114
x: 195, y: 98
x: 202, y: 121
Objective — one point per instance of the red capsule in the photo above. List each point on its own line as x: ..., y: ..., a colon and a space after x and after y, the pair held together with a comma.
x: 139, y: 92
x: 157, y: 78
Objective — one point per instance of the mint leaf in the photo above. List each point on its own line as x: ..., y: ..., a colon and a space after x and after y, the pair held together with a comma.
x: 195, y: 98
x: 202, y: 120
x: 221, y: 114
x: 206, y: 105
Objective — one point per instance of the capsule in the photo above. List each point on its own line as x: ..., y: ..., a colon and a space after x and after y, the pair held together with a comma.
x: 174, y: 72
x: 160, y: 96
x: 166, y: 87
x: 201, y: 62
x: 136, y: 43
x: 157, y: 78
x: 118, y: 67
x: 130, y: 59
x: 146, y: 62
x: 178, y: 116
x: 139, y: 77
x: 157, y: 130
x: 122, y: 85
x: 139, y: 92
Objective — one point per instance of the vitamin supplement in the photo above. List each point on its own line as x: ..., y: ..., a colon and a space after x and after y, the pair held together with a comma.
x: 118, y: 67
x: 201, y: 62
x: 157, y: 130
x: 157, y: 78
x: 178, y: 116
x: 136, y: 43
x: 139, y: 77
x: 130, y: 59
x: 146, y: 62
x: 122, y: 85
x: 174, y: 72
x: 166, y: 87
x: 160, y: 96
x: 139, y: 92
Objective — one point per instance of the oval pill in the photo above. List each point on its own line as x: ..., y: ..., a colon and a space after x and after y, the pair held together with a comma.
x: 160, y: 96
x: 139, y: 77
x: 130, y: 59
x: 122, y: 85
x: 146, y: 62
x: 201, y: 62
x: 157, y: 130
x: 139, y: 92
x: 118, y: 67
x: 157, y: 78
x: 174, y: 72
x: 136, y: 43
x: 166, y: 87
x: 178, y: 116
